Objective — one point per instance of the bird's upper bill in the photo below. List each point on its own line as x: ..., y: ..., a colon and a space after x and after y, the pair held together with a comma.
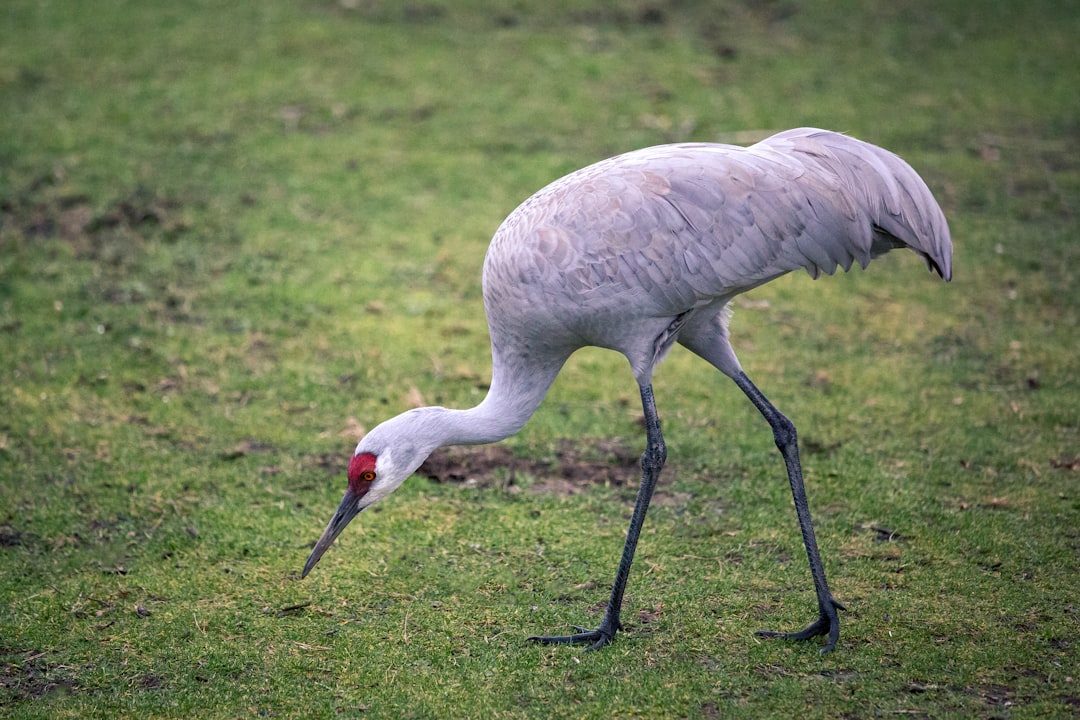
x: 349, y: 508
x: 361, y: 477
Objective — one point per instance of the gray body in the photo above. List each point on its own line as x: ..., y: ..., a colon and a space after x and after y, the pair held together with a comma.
x: 645, y: 249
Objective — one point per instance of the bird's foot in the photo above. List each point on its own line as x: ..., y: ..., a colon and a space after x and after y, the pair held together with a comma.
x: 597, y: 638
x: 828, y: 623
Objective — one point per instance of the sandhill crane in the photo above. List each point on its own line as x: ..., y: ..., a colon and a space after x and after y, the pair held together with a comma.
x: 641, y: 251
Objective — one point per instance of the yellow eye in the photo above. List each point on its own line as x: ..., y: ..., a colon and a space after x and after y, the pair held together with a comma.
x: 368, y: 476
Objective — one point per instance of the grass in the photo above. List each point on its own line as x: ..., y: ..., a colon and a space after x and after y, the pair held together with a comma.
x: 232, y: 236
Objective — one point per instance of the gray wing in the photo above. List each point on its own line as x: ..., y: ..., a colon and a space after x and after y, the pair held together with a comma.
x: 667, y: 229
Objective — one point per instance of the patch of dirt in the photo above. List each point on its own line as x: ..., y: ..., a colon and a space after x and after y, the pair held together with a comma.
x: 111, y: 234
x: 26, y: 675
x: 331, y: 463
x: 245, y: 448
x: 10, y: 537
x: 46, y: 208
x: 884, y: 534
x: 573, y: 467
x: 1066, y: 463
x: 646, y: 616
x: 996, y: 695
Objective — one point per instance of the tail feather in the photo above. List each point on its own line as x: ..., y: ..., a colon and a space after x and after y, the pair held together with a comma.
x: 901, y: 208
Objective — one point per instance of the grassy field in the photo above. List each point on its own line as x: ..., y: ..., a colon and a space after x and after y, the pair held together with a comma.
x: 234, y: 235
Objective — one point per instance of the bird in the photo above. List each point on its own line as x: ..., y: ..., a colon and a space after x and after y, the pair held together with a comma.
x: 645, y: 250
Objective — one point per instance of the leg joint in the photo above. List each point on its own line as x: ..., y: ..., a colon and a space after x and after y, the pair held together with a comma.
x: 654, y: 457
x: 783, y: 431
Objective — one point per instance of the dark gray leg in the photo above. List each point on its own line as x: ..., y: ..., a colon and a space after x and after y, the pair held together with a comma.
x: 651, y: 461
x: 828, y: 622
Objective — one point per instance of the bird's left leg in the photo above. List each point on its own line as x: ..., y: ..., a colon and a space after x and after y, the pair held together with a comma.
x: 652, y: 460
x: 828, y: 622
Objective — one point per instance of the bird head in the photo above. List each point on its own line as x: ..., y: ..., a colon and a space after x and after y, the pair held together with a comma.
x: 383, y: 460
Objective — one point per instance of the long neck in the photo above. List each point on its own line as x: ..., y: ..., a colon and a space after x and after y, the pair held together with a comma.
x: 517, y: 388
x: 516, y: 391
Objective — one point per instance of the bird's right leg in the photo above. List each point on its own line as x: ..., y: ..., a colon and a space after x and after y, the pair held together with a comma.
x: 652, y: 460
x: 828, y: 622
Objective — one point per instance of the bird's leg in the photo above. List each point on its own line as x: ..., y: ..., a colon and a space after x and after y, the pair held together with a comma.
x: 828, y: 622
x: 652, y: 460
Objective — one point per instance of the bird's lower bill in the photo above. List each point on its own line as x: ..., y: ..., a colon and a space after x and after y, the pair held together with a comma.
x: 347, y: 510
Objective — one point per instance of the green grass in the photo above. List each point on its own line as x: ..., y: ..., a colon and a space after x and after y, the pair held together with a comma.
x: 230, y: 235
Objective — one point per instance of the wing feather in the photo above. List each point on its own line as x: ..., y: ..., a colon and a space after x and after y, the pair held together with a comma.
x: 675, y: 226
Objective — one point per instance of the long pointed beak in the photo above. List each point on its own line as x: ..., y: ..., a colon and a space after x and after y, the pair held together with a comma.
x: 347, y: 510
